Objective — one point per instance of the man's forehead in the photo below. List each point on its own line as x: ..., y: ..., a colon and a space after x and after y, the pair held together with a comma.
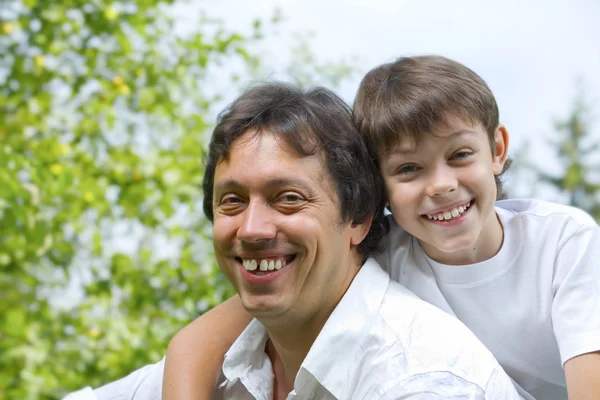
x: 268, y: 158
x: 251, y: 136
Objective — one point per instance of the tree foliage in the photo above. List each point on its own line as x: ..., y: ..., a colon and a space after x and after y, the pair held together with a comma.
x: 577, y: 154
x: 104, y: 251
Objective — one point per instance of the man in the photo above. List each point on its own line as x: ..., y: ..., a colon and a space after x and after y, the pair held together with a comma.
x: 296, y: 204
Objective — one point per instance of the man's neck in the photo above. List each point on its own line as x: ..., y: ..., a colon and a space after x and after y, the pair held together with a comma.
x: 291, y: 337
x: 288, y: 346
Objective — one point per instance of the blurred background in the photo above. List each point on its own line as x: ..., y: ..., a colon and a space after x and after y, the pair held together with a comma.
x: 106, y: 107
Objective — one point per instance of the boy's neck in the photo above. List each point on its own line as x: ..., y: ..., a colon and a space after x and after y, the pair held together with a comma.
x: 487, y: 246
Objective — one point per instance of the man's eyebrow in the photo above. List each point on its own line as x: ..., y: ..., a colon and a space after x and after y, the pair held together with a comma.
x: 277, y: 182
x: 231, y: 184
x: 225, y: 185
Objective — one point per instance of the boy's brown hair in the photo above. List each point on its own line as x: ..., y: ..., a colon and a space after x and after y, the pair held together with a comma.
x: 412, y: 95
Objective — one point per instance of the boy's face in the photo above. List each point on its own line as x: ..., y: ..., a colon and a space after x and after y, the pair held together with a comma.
x: 443, y: 190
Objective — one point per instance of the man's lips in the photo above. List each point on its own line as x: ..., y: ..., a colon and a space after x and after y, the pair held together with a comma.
x: 264, y: 263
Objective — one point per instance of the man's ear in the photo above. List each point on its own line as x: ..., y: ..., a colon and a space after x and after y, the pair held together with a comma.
x: 358, y: 232
x: 500, y: 155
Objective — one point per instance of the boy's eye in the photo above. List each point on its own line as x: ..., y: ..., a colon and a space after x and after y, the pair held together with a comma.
x: 461, y: 155
x: 407, y: 169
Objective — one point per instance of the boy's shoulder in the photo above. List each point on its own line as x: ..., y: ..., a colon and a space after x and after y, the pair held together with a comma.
x: 533, y: 209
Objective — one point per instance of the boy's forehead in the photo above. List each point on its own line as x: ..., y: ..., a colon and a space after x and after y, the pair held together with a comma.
x: 444, y: 131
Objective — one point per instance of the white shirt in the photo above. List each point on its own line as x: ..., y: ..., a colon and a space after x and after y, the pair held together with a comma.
x: 381, y: 342
x: 535, y: 304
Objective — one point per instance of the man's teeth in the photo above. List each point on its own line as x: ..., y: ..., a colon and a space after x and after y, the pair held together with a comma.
x: 263, y: 265
x: 446, y: 215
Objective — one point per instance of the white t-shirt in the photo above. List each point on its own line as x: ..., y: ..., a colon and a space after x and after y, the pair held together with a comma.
x: 380, y: 342
x: 535, y: 304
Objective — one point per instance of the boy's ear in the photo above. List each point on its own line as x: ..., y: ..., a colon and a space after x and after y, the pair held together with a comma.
x: 501, y: 149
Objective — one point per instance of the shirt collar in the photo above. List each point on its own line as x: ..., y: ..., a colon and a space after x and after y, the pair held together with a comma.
x: 332, y: 356
x: 247, y: 353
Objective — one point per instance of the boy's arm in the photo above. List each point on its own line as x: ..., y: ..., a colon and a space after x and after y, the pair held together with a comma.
x: 195, y: 355
x: 575, y: 316
x: 583, y: 376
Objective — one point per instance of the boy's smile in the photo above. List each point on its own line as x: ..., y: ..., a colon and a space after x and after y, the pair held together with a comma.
x: 442, y: 190
x: 450, y: 214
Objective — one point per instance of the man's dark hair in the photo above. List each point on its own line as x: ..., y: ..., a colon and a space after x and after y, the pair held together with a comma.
x: 312, y: 122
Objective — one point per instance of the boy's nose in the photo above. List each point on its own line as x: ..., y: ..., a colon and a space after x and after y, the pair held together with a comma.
x: 257, y: 224
x: 442, y: 181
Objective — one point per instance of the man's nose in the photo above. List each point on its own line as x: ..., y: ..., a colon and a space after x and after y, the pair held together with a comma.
x: 441, y: 181
x: 258, y: 223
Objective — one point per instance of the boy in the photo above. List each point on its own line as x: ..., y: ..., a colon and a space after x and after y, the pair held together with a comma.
x: 523, y: 275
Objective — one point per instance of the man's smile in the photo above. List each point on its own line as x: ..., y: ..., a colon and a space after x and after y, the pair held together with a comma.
x: 263, y: 264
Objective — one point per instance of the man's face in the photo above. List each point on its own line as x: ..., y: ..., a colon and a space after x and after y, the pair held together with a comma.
x: 443, y: 191
x: 276, y: 230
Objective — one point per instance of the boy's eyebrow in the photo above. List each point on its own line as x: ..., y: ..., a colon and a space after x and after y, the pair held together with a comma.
x: 461, y: 132
x: 403, y: 150
x: 400, y: 149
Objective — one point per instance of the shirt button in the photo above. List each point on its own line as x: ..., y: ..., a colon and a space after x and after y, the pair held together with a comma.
x: 311, y: 395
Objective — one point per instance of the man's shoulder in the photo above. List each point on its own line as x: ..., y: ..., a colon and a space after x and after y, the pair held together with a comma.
x: 142, y: 384
x: 432, y: 341
x: 405, y: 313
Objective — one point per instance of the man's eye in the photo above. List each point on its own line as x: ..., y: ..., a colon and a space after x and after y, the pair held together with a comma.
x: 290, y: 198
x: 230, y: 200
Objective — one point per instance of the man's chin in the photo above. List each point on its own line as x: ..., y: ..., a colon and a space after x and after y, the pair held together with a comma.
x: 264, y: 306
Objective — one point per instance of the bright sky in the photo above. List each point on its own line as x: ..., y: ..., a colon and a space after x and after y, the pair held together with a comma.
x: 531, y: 53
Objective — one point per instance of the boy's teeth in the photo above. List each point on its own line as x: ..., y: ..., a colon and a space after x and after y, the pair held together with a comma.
x: 262, y: 265
x: 446, y: 215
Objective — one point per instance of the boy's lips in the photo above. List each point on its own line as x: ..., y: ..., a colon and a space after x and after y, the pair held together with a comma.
x: 449, y: 213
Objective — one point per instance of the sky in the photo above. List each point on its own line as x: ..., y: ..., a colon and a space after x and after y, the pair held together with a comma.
x: 531, y: 53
